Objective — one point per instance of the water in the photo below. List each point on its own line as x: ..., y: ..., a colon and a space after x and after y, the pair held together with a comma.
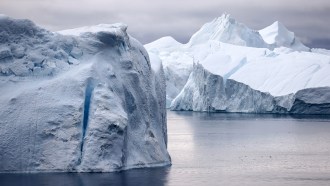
x: 222, y: 149
x: 245, y: 149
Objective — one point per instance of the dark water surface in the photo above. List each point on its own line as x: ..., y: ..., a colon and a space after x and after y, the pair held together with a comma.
x: 222, y: 149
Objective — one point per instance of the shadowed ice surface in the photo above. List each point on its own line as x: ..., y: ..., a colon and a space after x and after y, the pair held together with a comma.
x: 223, y: 149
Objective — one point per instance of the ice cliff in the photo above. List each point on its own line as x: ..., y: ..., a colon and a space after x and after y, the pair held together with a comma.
x: 82, y: 100
x: 228, y: 67
x: 210, y: 92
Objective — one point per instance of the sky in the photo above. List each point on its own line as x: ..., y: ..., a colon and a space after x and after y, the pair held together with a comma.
x: 149, y: 20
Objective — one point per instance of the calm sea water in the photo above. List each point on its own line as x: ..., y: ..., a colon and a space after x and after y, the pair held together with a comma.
x: 222, y: 149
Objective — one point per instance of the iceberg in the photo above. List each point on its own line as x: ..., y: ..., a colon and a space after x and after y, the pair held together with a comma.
x: 80, y: 100
x: 231, y: 68
x: 208, y: 92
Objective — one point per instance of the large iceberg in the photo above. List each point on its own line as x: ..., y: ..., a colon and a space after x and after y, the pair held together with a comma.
x: 210, y: 92
x: 230, y: 68
x: 82, y: 100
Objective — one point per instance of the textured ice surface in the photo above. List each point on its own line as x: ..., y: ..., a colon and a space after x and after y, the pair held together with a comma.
x: 90, y: 101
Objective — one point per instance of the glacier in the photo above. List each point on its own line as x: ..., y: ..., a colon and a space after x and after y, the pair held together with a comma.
x: 79, y: 100
x: 228, y: 67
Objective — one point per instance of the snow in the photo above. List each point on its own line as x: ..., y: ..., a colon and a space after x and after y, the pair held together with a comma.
x: 78, y: 103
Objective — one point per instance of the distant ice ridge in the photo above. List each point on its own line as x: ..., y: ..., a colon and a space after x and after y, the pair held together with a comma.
x: 225, y: 65
x: 89, y: 101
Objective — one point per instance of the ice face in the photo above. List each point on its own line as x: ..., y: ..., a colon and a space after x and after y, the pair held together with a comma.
x: 87, y: 102
x: 210, y: 92
x: 271, y: 74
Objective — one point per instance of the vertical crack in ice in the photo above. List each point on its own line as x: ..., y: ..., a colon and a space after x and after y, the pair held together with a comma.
x: 87, y: 103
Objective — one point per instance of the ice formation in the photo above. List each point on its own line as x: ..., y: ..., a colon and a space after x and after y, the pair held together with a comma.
x: 277, y: 35
x: 230, y: 68
x: 85, y: 100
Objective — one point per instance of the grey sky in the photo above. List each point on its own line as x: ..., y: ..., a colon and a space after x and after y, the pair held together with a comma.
x: 151, y: 19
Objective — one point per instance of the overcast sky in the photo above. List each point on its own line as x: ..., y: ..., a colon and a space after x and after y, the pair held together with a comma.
x: 149, y: 20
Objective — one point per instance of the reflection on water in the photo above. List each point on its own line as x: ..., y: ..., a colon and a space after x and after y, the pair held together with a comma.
x: 153, y: 176
x: 223, y: 149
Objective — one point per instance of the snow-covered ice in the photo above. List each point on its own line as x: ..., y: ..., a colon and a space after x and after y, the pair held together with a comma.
x: 86, y: 100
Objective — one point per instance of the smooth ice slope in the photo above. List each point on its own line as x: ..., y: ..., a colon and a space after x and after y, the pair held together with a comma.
x: 278, y: 35
x: 90, y: 101
x: 277, y: 72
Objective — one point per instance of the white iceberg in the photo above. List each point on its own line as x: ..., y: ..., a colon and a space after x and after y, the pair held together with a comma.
x: 88, y: 101
x: 228, y: 67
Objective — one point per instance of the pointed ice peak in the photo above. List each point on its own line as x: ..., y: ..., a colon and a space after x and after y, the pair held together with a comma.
x: 224, y: 18
x: 278, y: 35
x: 227, y: 30
x: 164, y: 42
x: 281, y: 29
x: 279, y: 25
